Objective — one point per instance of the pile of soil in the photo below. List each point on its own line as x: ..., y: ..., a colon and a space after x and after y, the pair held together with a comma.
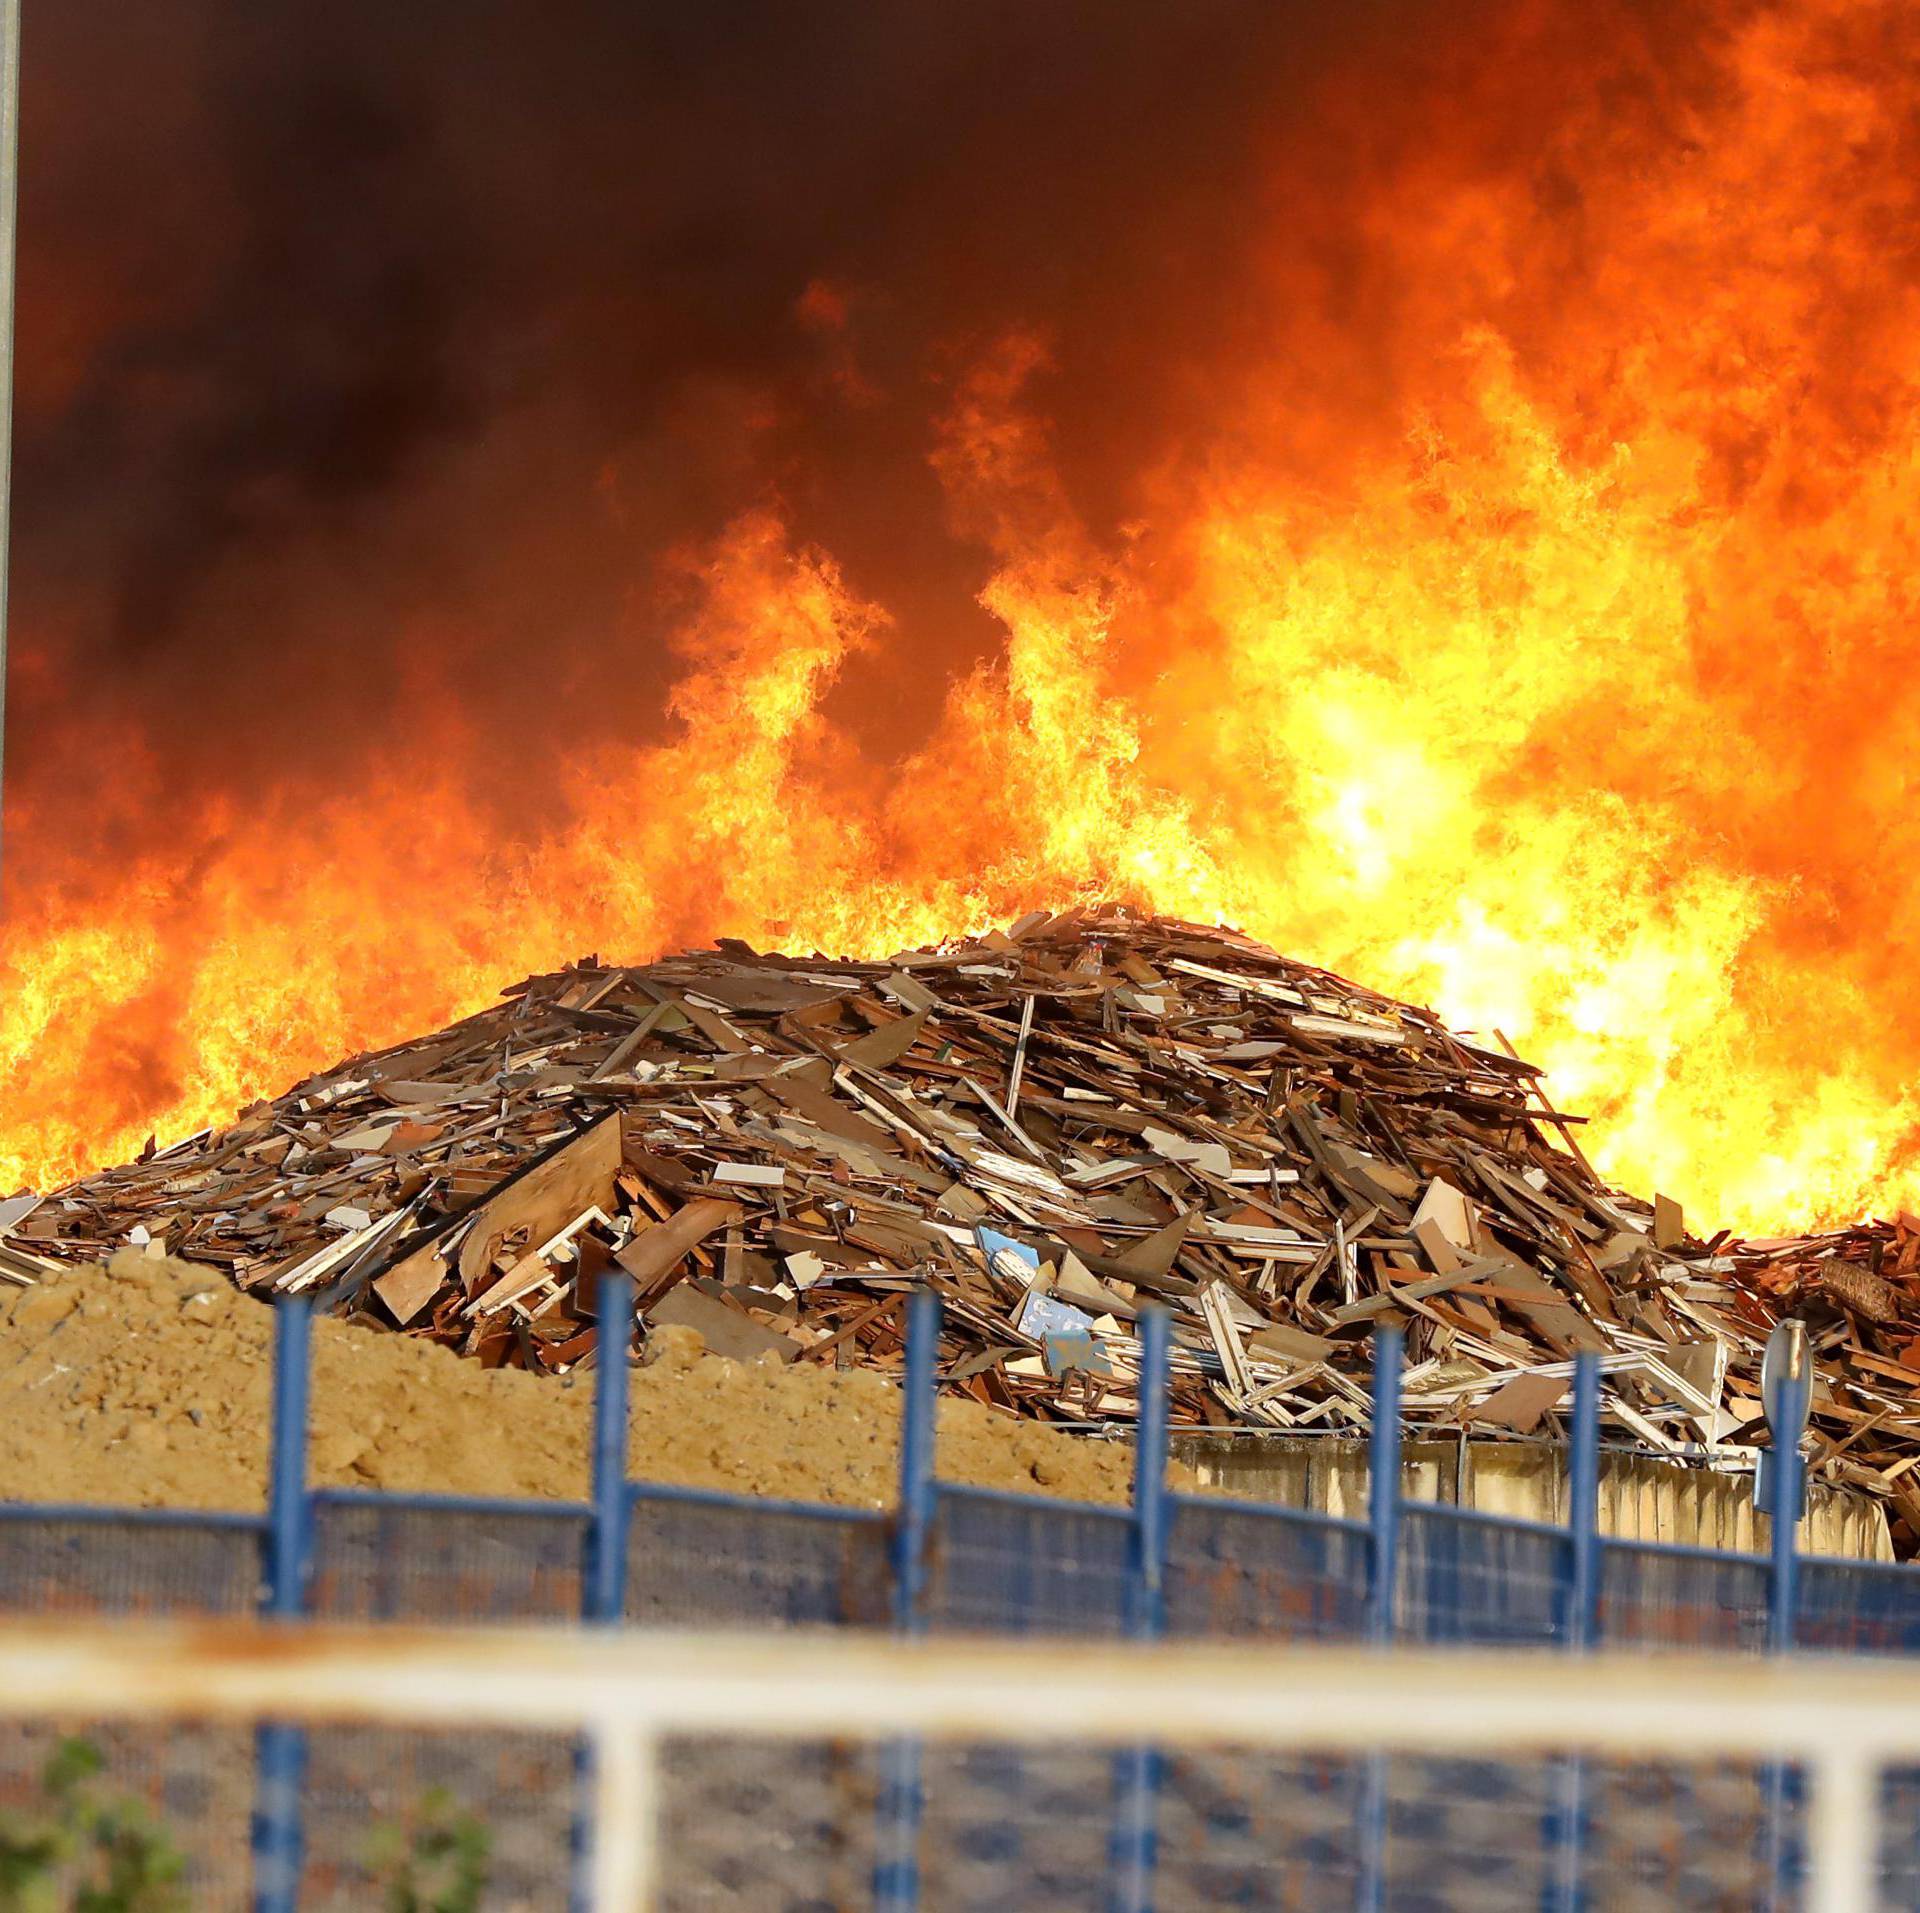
x: 145, y: 1383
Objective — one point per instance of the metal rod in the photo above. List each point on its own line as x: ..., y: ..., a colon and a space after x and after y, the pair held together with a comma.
x: 902, y: 1803
x: 603, y: 1589
x: 1567, y: 1820
x: 606, y: 1588
x: 1786, y: 1468
x: 1843, y: 1857
x: 1148, y: 1619
x: 1383, y: 1483
x: 854, y: 1684
x: 1138, y: 1771
x: 1383, y: 1516
x: 280, y: 1748
x: 289, y: 1513
x: 625, y: 1764
x: 1583, y: 1506
x: 915, y: 1514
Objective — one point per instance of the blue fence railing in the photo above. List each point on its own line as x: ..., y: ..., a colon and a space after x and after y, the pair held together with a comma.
x: 951, y: 1558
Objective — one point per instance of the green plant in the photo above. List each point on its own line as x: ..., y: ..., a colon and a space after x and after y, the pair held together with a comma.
x: 81, y: 1852
x: 436, y: 1862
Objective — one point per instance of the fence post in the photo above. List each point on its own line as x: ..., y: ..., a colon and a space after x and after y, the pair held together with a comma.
x: 1787, y: 1467
x: 1383, y: 1517
x: 1137, y: 1770
x: 1383, y: 1484
x: 1583, y: 1505
x: 1567, y: 1827
x: 916, y: 1464
x: 605, y: 1594
x: 896, y: 1867
x: 603, y: 1587
x: 280, y: 1748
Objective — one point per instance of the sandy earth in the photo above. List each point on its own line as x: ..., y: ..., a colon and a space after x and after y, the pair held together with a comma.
x: 146, y: 1384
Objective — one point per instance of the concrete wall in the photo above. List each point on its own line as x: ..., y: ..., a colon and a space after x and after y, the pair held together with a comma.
x: 1641, y: 1498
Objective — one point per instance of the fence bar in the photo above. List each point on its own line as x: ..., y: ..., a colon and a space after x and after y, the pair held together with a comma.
x: 280, y: 1748
x: 1843, y: 1872
x: 1583, y: 1505
x: 1383, y: 1484
x: 626, y: 1861
x: 1137, y: 1771
x: 915, y: 1517
x: 1147, y: 1618
x: 1383, y: 1518
x: 1567, y: 1822
x: 896, y: 1866
x: 603, y: 1590
x: 605, y: 1594
x: 1787, y: 1467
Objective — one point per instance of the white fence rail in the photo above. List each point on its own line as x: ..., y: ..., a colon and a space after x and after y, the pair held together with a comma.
x: 1844, y: 1721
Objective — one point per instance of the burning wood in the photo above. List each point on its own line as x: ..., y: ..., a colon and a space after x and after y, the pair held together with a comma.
x: 1052, y: 1127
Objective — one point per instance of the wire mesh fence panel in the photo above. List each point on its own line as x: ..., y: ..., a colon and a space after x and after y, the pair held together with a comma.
x: 1015, y: 1564
x: 1267, y: 1572
x: 1012, y: 1826
x: 792, y: 1826
x: 1683, y: 1598
x: 1474, y: 1578
x: 1864, y: 1607
x: 1469, y: 1833
x: 127, y: 1564
x: 719, y: 1563
x: 770, y: 1824
x: 192, y: 1787
x: 1254, y: 1827
x: 395, y: 1560
x: 1900, y: 1837
x: 1716, y: 1834
x: 438, y: 1809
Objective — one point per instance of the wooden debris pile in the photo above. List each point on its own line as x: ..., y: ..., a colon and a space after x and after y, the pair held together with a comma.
x: 1052, y: 1127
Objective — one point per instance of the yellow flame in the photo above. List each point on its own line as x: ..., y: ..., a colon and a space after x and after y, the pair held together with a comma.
x: 1544, y: 654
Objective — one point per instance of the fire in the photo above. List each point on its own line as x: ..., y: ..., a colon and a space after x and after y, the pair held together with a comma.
x: 1521, y: 622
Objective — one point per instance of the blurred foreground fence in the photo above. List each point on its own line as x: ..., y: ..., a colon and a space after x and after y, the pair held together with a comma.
x: 754, y: 1770
x: 947, y: 1560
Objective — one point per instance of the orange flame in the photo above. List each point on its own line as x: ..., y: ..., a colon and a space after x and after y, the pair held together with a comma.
x: 1540, y: 649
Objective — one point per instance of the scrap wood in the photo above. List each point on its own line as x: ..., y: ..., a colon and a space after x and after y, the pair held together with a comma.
x: 1148, y: 1110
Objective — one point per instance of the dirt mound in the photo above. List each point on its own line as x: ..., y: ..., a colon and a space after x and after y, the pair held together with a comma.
x: 146, y: 1383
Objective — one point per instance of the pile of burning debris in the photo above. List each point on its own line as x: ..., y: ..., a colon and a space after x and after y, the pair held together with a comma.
x: 1053, y: 1128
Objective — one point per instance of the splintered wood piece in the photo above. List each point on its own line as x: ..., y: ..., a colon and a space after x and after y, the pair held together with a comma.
x: 660, y: 1248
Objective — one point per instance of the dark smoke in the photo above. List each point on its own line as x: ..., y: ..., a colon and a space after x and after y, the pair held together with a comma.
x: 371, y: 355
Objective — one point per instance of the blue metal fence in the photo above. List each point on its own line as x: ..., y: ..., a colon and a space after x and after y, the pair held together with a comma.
x: 955, y: 1558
